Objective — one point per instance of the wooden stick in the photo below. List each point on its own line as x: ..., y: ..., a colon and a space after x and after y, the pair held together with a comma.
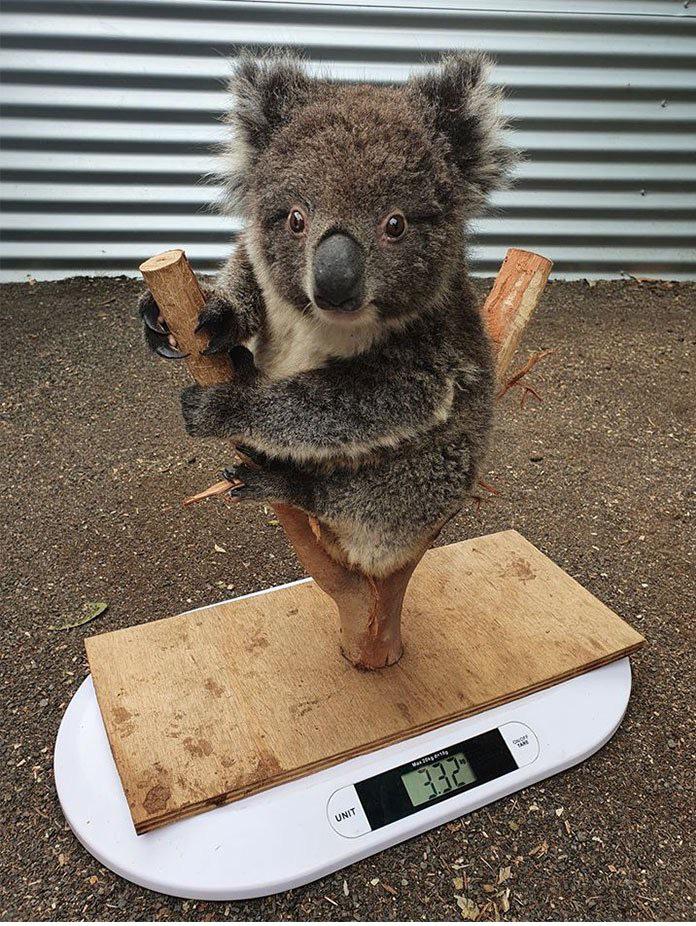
x: 176, y: 291
x: 369, y: 609
x: 511, y: 302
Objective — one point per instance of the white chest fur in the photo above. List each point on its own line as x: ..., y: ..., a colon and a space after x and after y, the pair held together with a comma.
x: 293, y: 342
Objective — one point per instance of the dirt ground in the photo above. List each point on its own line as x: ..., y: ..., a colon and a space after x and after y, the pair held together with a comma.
x: 93, y: 463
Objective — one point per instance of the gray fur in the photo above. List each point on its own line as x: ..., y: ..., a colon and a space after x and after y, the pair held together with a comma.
x: 377, y: 423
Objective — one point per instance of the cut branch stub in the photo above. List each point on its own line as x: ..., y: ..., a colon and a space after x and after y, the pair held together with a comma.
x: 369, y: 608
x: 511, y: 302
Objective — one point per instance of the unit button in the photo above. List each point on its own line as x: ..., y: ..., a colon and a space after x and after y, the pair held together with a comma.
x: 521, y: 742
x: 345, y: 813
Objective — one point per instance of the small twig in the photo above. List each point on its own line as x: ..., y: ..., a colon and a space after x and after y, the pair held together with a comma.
x: 517, y: 376
x: 529, y: 390
x: 218, y: 489
x: 478, y: 502
x: 487, y: 487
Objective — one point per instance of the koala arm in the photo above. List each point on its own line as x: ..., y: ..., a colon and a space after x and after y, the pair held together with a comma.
x: 347, y: 408
x: 234, y: 308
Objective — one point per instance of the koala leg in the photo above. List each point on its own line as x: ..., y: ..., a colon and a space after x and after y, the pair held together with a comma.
x: 382, y: 516
x: 367, y: 537
x: 269, y: 483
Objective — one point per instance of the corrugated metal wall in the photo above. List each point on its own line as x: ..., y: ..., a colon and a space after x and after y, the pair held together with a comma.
x: 109, y: 108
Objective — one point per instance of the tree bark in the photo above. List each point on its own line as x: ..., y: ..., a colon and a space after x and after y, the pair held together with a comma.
x: 369, y: 609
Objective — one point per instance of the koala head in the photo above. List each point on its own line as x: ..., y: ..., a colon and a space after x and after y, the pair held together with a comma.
x: 356, y: 196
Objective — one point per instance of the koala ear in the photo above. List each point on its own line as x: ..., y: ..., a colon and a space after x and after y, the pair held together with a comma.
x: 266, y: 92
x: 464, y: 108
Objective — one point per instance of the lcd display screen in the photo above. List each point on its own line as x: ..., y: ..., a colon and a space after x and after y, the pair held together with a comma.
x: 438, y: 778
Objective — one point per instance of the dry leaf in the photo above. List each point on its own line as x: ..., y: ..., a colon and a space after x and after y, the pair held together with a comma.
x: 90, y: 610
x: 504, y: 899
x: 458, y: 884
x: 219, y: 549
x: 504, y: 874
x: 469, y: 909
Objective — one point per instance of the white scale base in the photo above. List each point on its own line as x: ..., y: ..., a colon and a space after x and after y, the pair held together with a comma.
x: 300, y: 831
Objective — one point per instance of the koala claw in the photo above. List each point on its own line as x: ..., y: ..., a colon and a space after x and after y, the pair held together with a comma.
x: 164, y: 349
x: 252, y: 484
x: 216, y: 320
x: 246, y: 493
x: 150, y: 314
x: 256, y: 456
x: 156, y: 330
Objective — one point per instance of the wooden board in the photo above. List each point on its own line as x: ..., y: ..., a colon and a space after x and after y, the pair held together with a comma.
x: 214, y: 705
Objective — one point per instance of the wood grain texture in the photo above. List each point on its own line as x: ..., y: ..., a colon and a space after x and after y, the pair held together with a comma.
x: 211, y: 706
x: 511, y: 302
x: 173, y: 284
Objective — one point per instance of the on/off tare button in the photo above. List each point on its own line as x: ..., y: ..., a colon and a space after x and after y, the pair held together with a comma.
x: 345, y: 813
x: 521, y: 742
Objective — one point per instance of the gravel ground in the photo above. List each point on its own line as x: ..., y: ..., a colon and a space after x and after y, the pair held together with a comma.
x: 94, y: 462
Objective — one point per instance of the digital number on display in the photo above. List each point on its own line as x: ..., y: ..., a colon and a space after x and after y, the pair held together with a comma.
x: 438, y: 778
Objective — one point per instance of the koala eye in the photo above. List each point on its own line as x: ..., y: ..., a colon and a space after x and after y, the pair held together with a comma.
x: 395, y: 226
x: 296, y: 221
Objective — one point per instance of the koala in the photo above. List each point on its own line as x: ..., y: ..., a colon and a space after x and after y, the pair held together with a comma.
x: 365, y: 379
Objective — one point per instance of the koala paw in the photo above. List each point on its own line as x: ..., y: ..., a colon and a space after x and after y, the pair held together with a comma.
x: 217, y: 320
x: 258, y: 485
x: 157, y: 335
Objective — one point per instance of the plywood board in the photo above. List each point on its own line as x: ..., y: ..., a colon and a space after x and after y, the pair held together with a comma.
x: 211, y: 706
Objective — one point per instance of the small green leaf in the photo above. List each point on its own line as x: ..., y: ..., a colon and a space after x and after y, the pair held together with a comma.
x: 90, y: 610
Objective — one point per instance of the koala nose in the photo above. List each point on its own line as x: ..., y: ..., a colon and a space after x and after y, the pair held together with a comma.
x: 339, y: 264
